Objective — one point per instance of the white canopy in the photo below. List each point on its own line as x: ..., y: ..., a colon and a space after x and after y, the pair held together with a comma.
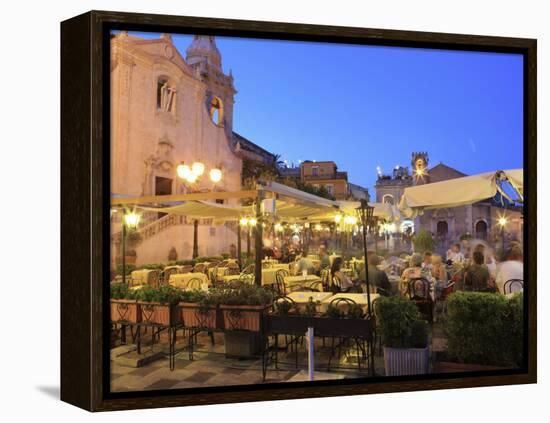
x: 458, y: 192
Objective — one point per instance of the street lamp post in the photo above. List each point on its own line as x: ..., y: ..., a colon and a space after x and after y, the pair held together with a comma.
x: 502, y: 221
x: 365, y: 215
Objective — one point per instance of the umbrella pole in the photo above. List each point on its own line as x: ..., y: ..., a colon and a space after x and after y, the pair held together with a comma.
x: 239, y: 245
x: 195, y: 238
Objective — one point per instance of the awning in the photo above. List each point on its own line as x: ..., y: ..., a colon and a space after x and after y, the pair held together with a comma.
x: 204, y: 210
x: 459, y: 191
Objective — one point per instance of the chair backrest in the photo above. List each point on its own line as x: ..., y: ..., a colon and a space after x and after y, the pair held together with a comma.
x: 510, y: 284
x: 188, y: 268
x: 418, y: 288
x: 194, y: 283
x: 267, y: 265
x: 343, y: 304
x: 199, y: 268
x: 248, y: 269
x: 316, y: 286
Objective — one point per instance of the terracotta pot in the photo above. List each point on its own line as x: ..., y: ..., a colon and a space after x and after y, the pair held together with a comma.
x: 406, y: 361
x: 243, y: 317
x: 160, y: 314
x: 125, y: 311
x: 195, y: 316
x: 452, y: 367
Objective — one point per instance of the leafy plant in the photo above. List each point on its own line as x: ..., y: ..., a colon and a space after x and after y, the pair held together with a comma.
x: 129, y: 269
x: 423, y: 241
x: 245, y: 294
x: 310, y: 308
x: 168, y: 294
x: 334, y: 312
x: 400, y: 324
x: 147, y: 293
x: 355, y: 311
x: 485, y: 328
x: 283, y: 307
x: 119, y: 291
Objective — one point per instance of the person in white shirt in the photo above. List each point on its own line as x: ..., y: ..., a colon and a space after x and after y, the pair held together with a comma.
x: 454, y: 254
x: 511, y: 268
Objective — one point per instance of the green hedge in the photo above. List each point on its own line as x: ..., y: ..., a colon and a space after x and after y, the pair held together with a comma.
x: 485, y: 328
x: 400, y: 323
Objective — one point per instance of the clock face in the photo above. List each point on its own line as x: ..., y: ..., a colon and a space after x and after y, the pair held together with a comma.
x: 420, y: 164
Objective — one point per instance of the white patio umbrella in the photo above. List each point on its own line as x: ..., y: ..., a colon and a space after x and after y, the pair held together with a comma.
x: 460, y: 191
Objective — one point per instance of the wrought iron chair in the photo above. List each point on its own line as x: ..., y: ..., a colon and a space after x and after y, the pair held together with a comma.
x: 418, y: 290
x: 279, y: 285
x: 199, y: 268
x: 510, y: 284
x: 194, y: 283
x: 249, y: 269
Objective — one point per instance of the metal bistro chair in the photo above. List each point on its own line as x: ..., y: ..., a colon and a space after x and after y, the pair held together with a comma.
x: 316, y: 286
x: 279, y: 285
x: 194, y: 283
x: 248, y: 269
x: 335, y: 284
x: 346, y: 304
x: 199, y: 268
x: 418, y: 290
x: 510, y: 284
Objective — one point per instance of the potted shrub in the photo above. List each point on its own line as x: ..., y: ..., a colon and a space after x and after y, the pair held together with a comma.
x: 243, y: 306
x: 199, y: 309
x: 404, y: 337
x: 158, y: 305
x: 484, y: 332
x: 423, y: 241
x: 124, y: 308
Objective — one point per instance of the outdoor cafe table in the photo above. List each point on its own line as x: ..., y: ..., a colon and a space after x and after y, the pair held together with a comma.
x: 278, y: 266
x: 360, y: 299
x: 268, y: 276
x: 302, y: 297
x: 292, y: 282
x: 141, y: 277
x: 220, y: 272
x: 180, y: 280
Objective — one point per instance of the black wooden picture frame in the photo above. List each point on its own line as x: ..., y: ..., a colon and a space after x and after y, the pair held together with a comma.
x: 85, y: 194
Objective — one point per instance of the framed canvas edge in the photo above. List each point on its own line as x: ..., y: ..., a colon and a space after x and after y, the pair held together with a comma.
x: 88, y: 136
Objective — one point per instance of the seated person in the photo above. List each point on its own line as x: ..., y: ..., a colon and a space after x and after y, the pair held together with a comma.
x: 427, y: 262
x: 454, y: 254
x: 476, y: 276
x: 511, y: 268
x: 303, y: 263
x: 346, y: 284
x: 439, y: 273
x: 377, y: 277
x: 414, y: 271
x: 323, y: 258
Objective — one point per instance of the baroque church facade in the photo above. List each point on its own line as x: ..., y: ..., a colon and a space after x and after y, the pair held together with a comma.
x: 167, y: 109
x: 479, y: 220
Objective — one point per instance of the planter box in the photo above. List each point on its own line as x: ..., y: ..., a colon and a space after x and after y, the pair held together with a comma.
x: 242, y: 317
x: 242, y: 344
x: 195, y: 316
x: 407, y: 361
x: 322, y: 326
x: 125, y: 311
x: 159, y: 314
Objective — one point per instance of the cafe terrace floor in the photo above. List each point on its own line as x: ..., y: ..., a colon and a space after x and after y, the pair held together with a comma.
x: 210, y: 367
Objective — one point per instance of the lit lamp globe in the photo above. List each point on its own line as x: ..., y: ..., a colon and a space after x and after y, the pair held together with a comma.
x: 183, y: 171
x: 215, y: 175
x: 131, y: 220
x: 192, y: 177
x: 197, y: 168
x: 243, y: 221
x: 252, y: 222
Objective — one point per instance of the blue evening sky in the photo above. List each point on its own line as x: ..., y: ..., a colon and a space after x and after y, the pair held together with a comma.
x: 369, y: 106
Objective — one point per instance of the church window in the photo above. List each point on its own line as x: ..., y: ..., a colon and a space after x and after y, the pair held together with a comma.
x: 216, y: 110
x: 388, y: 199
x: 166, y: 96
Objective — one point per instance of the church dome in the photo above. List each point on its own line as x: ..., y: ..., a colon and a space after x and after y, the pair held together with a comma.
x: 203, y: 49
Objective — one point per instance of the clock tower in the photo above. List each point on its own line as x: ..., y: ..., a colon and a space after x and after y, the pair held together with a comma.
x: 419, y: 164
